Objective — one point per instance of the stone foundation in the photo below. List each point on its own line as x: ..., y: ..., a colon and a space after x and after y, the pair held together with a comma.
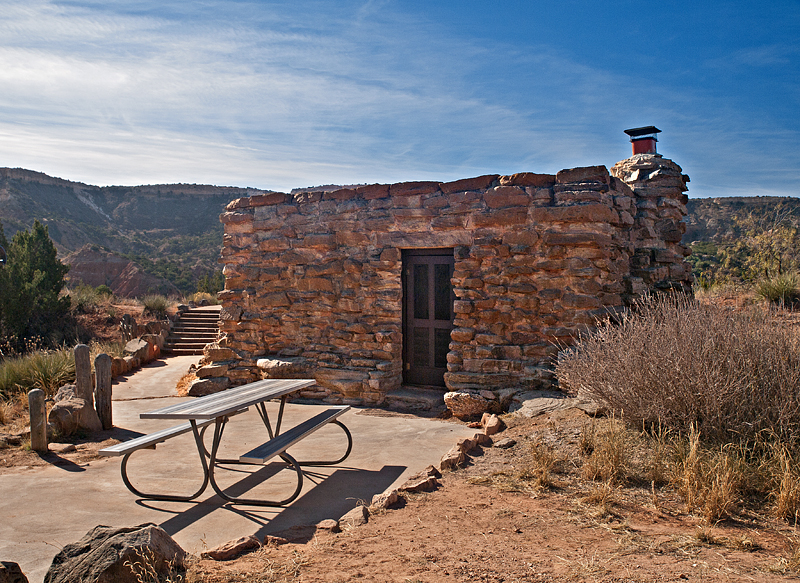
x: 314, y: 283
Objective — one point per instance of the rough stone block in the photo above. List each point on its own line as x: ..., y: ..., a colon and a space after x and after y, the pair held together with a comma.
x: 232, y: 549
x: 413, y: 188
x: 208, y: 386
x: 528, y: 179
x: 465, y: 184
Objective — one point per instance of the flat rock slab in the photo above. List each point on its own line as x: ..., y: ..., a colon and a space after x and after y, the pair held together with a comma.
x: 535, y: 403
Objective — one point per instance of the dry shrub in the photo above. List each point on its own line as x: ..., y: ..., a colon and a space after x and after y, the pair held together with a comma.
x: 730, y: 373
x: 607, y: 458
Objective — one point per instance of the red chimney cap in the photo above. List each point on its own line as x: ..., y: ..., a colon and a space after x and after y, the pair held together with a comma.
x: 643, y: 133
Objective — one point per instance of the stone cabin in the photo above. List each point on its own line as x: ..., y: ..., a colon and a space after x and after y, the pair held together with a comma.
x: 470, y: 285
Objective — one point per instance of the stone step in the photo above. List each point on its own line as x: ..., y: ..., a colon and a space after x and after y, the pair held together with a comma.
x: 193, y: 330
x: 182, y: 351
x: 212, y: 330
x: 408, y: 398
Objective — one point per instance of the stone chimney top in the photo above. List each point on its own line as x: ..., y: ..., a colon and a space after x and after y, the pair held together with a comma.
x: 643, y: 140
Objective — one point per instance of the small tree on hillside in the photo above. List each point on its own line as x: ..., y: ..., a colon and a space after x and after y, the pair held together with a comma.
x: 30, y: 284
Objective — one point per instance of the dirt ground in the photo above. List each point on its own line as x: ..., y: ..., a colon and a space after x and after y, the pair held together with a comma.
x: 487, y: 523
x: 483, y: 525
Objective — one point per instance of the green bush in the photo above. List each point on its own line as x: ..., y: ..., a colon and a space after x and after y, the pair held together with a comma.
x: 782, y: 289
x: 46, y: 370
x: 30, y: 283
x: 156, y: 305
x: 730, y: 374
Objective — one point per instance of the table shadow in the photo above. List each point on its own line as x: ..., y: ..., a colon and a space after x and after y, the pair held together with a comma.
x: 329, y: 497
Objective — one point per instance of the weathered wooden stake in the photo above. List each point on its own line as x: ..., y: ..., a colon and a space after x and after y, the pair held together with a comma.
x: 83, y: 374
x: 102, y: 403
x: 38, y: 420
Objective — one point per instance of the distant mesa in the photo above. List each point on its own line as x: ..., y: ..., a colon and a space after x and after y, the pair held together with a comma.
x: 94, y: 267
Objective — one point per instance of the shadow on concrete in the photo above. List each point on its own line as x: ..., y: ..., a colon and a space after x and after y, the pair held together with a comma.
x: 331, y: 497
x: 62, y: 463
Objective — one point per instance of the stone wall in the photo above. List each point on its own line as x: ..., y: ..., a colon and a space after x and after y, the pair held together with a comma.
x: 313, y: 280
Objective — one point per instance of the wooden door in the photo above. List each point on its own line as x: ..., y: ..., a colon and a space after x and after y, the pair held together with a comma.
x: 427, y: 315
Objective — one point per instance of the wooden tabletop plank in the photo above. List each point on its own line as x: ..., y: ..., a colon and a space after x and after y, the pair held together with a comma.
x: 224, y: 402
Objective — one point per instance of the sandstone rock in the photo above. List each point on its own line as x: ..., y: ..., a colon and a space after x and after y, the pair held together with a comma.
x: 11, y: 573
x: 329, y: 524
x: 155, y: 342
x: 283, y: 368
x: 453, y: 459
x: 535, y: 403
x: 100, y: 556
x: 384, y: 500
x: 215, y: 353
x: 467, y: 444
x: 465, y: 405
x: 505, y: 443
x: 118, y: 366
x: 482, y: 439
x: 201, y: 387
x: 69, y: 413
x: 138, y: 348
x: 232, y: 549
x: 210, y: 371
x: 491, y: 424
x: 425, y: 481
x: 358, y: 516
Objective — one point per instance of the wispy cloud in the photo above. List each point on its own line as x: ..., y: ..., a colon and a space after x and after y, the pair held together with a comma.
x: 280, y: 95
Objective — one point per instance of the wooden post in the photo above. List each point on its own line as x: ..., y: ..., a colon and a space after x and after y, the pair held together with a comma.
x: 102, y: 396
x: 38, y: 420
x: 83, y: 374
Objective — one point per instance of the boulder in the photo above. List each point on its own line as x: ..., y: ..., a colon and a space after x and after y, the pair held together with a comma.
x: 283, y: 368
x: 69, y: 413
x: 329, y: 524
x: 535, y: 403
x: 465, y: 405
x: 452, y: 459
x: 232, y: 548
x: 384, y: 500
x: 491, y: 424
x: 138, y: 348
x: 11, y: 573
x: 109, y: 554
x: 358, y: 516
x: 208, y: 386
x: 425, y: 481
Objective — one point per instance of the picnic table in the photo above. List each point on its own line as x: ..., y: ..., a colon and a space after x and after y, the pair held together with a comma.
x: 217, y: 409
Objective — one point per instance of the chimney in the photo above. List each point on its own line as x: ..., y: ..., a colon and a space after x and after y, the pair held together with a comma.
x: 643, y: 139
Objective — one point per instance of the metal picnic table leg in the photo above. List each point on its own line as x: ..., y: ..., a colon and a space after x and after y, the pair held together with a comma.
x: 198, y: 438
x: 219, y: 427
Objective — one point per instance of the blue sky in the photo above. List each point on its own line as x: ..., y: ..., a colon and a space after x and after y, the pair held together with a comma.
x: 278, y: 95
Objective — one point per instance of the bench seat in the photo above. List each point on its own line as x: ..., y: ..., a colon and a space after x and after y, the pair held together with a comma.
x: 151, y: 439
x: 284, y: 441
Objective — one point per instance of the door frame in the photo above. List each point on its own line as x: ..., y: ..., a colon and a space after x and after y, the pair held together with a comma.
x: 430, y: 376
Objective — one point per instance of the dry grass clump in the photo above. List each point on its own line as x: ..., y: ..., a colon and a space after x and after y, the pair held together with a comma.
x: 538, y: 465
x: 533, y: 472
x: 730, y: 374
x: 606, y: 452
x: 709, y: 480
x: 44, y: 369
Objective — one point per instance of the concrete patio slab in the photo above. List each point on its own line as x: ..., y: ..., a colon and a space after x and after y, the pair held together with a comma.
x: 44, y: 509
